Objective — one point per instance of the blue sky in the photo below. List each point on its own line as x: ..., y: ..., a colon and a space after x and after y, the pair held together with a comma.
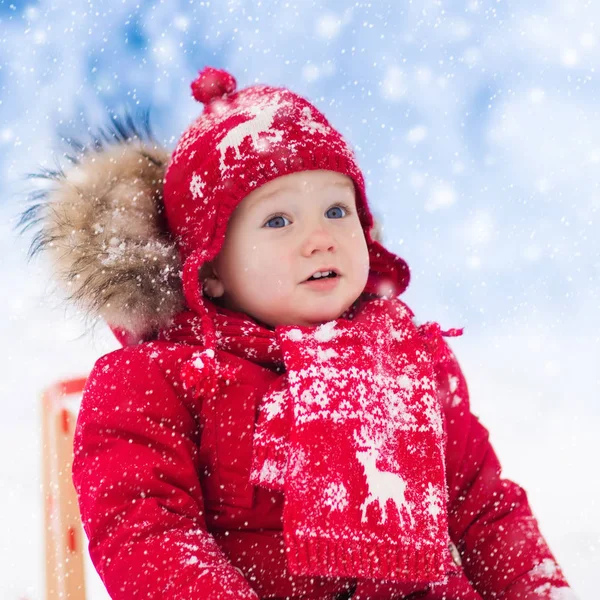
x: 477, y: 127
x: 473, y: 121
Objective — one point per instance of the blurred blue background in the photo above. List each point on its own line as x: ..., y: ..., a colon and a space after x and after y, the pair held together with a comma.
x: 477, y: 127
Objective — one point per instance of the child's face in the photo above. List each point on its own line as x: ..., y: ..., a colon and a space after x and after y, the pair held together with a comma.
x: 281, y: 234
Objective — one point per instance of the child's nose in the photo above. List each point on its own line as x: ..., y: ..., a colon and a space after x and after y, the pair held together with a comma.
x: 319, y: 238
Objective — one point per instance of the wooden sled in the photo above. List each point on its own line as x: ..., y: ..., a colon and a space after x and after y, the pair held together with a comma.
x: 64, y: 536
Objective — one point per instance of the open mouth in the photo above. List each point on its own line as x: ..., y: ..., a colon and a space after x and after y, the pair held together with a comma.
x: 322, y: 275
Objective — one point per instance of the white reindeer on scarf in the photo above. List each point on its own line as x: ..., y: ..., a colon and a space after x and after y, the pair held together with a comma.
x: 383, y: 485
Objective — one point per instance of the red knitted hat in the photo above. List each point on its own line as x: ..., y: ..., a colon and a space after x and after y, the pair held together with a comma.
x: 242, y: 140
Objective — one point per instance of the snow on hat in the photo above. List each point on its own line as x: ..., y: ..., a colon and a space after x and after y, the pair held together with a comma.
x: 242, y: 140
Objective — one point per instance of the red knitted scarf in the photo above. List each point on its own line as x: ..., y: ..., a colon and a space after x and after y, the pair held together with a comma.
x: 352, y: 433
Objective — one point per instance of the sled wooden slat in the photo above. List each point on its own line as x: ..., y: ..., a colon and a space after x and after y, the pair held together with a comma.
x: 64, y: 539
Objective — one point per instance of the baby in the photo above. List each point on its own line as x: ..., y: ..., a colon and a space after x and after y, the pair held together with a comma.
x: 265, y: 274
x: 276, y: 425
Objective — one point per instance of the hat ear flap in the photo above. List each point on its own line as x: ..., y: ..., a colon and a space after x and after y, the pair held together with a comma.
x: 389, y: 274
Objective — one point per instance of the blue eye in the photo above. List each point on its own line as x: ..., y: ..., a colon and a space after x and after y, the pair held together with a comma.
x: 275, y: 218
x: 336, y: 212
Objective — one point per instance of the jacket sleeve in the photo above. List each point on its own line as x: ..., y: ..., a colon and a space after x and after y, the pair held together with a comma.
x: 135, y: 471
x: 503, y: 552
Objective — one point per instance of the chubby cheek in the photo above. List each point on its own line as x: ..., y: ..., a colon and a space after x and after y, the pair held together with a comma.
x: 269, y: 274
x: 364, y: 265
x: 361, y: 262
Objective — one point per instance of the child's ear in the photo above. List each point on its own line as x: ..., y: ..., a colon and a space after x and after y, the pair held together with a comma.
x: 209, y: 279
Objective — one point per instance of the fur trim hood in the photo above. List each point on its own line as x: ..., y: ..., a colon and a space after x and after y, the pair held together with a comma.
x: 101, y: 223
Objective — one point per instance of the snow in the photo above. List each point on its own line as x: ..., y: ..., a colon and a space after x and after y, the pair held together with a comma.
x: 326, y: 332
x: 547, y: 568
x: 295, y: 335
x: 197, y: 358
x: 507, y: 99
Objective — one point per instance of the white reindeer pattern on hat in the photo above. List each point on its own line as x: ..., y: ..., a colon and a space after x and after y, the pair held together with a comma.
x: 261, y: 121
x: 260, y: 114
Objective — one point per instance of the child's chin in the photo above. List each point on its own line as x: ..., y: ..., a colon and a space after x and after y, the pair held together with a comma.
x: 319, y: 317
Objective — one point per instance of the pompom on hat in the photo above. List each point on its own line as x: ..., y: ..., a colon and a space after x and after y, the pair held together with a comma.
x: 242, y: 140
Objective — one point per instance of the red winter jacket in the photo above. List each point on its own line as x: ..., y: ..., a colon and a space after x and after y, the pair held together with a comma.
x: 162, y: 479
x: 162, y: 474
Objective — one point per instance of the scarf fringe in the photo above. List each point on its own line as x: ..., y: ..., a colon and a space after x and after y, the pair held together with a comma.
x: 370, y: 560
